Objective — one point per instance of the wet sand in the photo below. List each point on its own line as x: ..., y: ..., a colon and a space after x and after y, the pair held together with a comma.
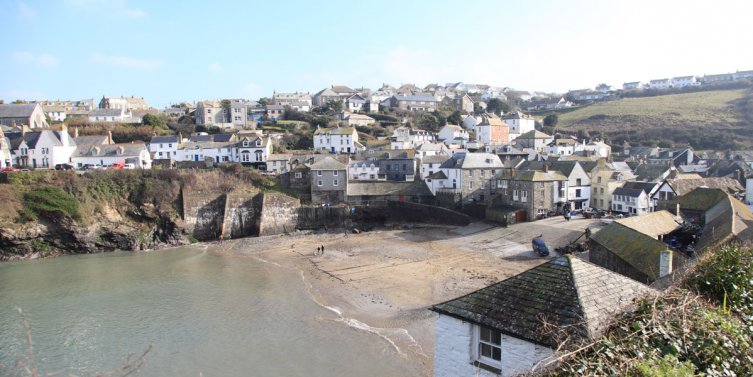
x: 384, y: 281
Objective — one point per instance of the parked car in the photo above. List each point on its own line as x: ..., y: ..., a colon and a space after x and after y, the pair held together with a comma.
x: 116, y: 165
x: 9, y: 169
x: 539, y: 246
x: 63, y: 167
x: 91, y: 167
x: 129, y: 166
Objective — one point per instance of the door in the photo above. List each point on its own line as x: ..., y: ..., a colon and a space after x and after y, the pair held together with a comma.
x: 196, y: 157
x: 520, y: 216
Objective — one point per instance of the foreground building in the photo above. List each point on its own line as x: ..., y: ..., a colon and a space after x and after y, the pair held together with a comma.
x: 500, y: 330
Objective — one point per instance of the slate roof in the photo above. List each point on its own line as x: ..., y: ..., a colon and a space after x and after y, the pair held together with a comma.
x: 328, y: 163
x: 684, y: 186
x: 565, y: 167
x: 106, y: 112
x: 335, y: 131
x: 472, y: 161
x: 539, y: 176
x: 733, y: 223
x: 653, y: 224
x: 417, y: 188
x: 701, y: 199
x: 437, y: 175
x: 534, y: 135
x: 649, y: 172
x: 105, y: 150
x: 11, y: 110
x: 435, y: 159
x: 164, y: 139
x: 639, y: 250
x: 646, y: 187
x: 567, y: 292
x: 633, y: 193
x: 91, y: 140
x: 400, y: 97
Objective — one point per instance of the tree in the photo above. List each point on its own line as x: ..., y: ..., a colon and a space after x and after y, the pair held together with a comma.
x: 333, y: 107
x: 153, y: 120
x: 551, y: 120
x: 497, y: 106
x: 455, y: 118
x: 18, y: 102
x: 264, y: 101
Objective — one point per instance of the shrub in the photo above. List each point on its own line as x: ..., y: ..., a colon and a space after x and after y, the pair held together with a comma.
x: 51, y: 201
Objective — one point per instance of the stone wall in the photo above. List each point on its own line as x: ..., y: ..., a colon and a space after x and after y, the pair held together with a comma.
x: 601, y: 256
x: 279, y: 214
x: 241, y: 214
x: 315, y: 217
x: 203, y: 214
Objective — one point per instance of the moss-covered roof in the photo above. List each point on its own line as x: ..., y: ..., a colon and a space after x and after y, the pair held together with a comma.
x: 566, y: 292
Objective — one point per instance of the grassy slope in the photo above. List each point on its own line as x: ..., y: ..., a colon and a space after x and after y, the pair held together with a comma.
x: 703, y: 119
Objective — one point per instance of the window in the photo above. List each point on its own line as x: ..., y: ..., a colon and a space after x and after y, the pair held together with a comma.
x: 298, y: 174
x: 601, y: 190
x: 577, y: 193
x: 334, y: 183
x: 598, y: 180
x: 578, y: 183
x: 489, y: 349
x: 523, y: 196
x: 319, y: 173
x: 335, y: 173
x: 319, y: 183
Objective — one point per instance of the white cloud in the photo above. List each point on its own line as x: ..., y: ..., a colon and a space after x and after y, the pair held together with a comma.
x: 215, y: 67
x: 40, y: 60
x: 120, y: 7
x: 26, y: 10
x: 126, y: 61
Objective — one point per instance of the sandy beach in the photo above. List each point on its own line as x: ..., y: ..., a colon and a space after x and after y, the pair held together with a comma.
x: 384, y: 281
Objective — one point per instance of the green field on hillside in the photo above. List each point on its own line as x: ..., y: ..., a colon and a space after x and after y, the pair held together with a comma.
x: 719, y: 119
x: 711, y: 106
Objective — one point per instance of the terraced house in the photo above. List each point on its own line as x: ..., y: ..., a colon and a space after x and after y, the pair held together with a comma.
x: 337, y: 140
x: 466, y: 178
x: 536, y: 192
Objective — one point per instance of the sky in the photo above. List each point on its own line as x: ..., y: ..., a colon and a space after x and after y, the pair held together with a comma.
x: 170, y: 52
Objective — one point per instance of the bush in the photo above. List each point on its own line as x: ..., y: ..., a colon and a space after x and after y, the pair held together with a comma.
x: 51, y: 201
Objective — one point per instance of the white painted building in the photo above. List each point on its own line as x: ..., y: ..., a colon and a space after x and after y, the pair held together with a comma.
x: 365, y: 171
x: 519, y: 124
x: 109, y: 115
x: 108, y: 154
x: 40, y: 149
x: 451, y: 132
x: 493, y: 332
x: 164, y: 147
x: 408, y: 138
x: 337, y: 140
x: 683, y: 81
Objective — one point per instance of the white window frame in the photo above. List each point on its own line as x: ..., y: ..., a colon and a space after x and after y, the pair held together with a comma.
x: 335, y: 182
x: 298, y: 174
x: 319, y: 183
x: 318, y: 173
x: 478, y: 342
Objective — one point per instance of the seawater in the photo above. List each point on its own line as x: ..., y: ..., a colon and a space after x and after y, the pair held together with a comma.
x: 202, y: 314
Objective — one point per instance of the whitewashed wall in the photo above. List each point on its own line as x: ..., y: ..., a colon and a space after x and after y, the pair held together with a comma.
x: 453, y: 349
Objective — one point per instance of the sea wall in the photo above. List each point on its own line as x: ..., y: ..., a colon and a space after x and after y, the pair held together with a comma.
x: 411, y: 213
x: 203, y: 214
x: 279, y: 214
x: 242, y: 209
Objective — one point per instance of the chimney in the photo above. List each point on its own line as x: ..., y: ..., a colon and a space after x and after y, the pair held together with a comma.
x: 546, y: 167
x: 665, y: 263
x: 677, y: 210
x: 64, y: 136
x: 109, y: 137
x: 75, y: 132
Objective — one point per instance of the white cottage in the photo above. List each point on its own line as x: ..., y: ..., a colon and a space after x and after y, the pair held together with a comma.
x: 496, y: 331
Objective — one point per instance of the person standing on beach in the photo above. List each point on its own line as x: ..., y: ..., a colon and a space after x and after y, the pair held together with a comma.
x: 322, y: 249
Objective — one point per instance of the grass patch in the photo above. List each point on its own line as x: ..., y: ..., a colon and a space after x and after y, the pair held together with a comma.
x: 50, y: 201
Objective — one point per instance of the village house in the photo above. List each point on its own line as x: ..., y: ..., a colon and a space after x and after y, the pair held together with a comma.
x: 634, y: 198
x: 279, y: 163
x: 56, y: 113
x: 274, y: 112
x: 563, y: 146
x: 127, y: 104
x: 596, y: 147
x: 452, y: 134
x: 109, y: 115
x: 464, y: 104
x: 292, y: 99
x: 432, y: 164
x: 548, y: 104
x: 535, y: 140
x: 6, y: 157
x: 217, y: 148
x: 605, y: 178
x: 108, y: 154
x: 683, y: 81
x: 659, y: 84
x: 710, y: 79
x: 164, y: 147
x: 632, y: 85
x: 209, y: 113
x: 364, y: 193
x: 409, y: 138
x: 467, y: 178
x: 355, y: 103
x: 636, y: 247
x: 578, y: 192
x: 30, y: 114
x: 365, y: 171
x: 238, y: 116
x: 428, y: 148
x: 413, y: 102
x: 337, y: 140
x: 470, y: 122
x: 539, y: 193
x: 329, y: 181
x: 40, y: 149
x: 723, y: 218
x: 739, y: 75
x: 360, y: 120
x: 666, y: 194
x: 252, y: 150
x: 335, y: 93
x: 496, y: 331
x: 492, y: 131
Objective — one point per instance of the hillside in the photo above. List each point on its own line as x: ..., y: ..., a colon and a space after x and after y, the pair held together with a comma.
x: 720, y: 119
